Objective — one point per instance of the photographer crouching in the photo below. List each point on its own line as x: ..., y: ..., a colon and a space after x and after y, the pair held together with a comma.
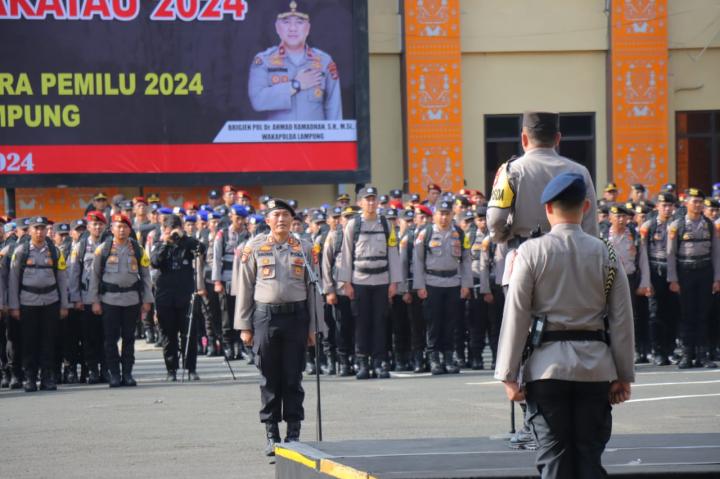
x: 175, y: 259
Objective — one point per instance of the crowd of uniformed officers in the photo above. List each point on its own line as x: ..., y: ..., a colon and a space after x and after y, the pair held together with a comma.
x: 405, y: 284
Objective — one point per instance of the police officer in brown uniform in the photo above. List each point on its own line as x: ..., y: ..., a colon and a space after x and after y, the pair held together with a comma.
x: 693, y: 258
x: 119, y: 289
x: 442, y: 276
x: 37, y: 297
x: 273, y: 312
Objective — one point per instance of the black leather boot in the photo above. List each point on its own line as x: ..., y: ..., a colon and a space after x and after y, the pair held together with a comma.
x: 15, y: 382
x: 114, y: 381
x: 704, y: 360
x: 5, y: 380
x: 211, y: 351
x: 477, y: 360
x: 293, y: 431
x: 92, y: 374
x: 345, y: 369
x: 686, y: 362
x: 436, y: 367
x: 450, y: 365
x: 272, y: 432
x: 171, y: 376
x: 363, y: 368
x: 380, y: 370
x: 47, y: 383
x: 127, y: 378
x: 331, y: 368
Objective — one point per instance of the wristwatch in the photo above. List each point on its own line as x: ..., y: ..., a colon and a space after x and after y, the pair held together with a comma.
x: 296, y: 85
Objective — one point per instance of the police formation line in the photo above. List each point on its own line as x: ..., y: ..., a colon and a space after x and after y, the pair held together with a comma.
x: 407, y: 284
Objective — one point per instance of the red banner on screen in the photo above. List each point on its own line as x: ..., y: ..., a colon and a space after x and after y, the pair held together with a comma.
x: 214, y: 158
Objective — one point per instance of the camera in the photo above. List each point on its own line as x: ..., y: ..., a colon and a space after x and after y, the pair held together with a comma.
x: 174, y: 236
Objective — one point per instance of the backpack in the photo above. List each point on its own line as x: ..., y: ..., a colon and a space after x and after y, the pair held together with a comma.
x: 58, y: 260
x: 390, y: 237
x: 105, y: 248
x: 428, y: 237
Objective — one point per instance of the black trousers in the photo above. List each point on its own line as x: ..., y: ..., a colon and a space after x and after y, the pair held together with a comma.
x: 13, y: 337
x: 119, y: 322
x: 93, y: 337
x: 279, y: 345
x: 662, y: 323
x: 212, y: 322
x: 400, y: 321
x: 441, y: 309
x: 174, y: 324
x: 418, y: 337
x: 695, y: 300
x: 330, y: 340
x: 640, y: 315
x: 39, y: 327
x: 3, y: 343
x: 229, y: 335
x: 344, y: 326
x: 483, y: 325
x: 572, y: 423
x: 370, y: 325
x: 71, y: 338
x: 461, y: 336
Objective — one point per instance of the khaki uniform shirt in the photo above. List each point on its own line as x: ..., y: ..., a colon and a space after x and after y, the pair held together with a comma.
x: 480, y: 252
x: 562, y: 275
x: 38, y: 274
x: 271, y: 91
x: 407, y: 245
x: 121, y: 269
x: 272, y: 273
x: 81, y: 271
x: 4, y: 270
x: 698, y: 241
x: 372, y: 243
x: 224, y: 253
x: 653, y: 248
x: 526, y: 180
x: 446, y: 252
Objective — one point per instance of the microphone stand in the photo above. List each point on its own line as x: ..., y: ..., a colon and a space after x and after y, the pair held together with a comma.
x: 314, y: 282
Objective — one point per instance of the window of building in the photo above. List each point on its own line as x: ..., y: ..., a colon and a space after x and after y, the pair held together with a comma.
x: 502, y: 140
x: 698, y: 149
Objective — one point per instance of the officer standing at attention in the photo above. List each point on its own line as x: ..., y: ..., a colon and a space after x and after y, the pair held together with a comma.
x: 515, y: 210
x: 371, y: 270
x: 119, y: 289
x: 653, y: 240
x: 179, y: 261
x: 293, y: 81
x: 273, y: 315
x: 442, y: 276
x: 568, y: 286
x: 693, y: 258
x: 37, y: 297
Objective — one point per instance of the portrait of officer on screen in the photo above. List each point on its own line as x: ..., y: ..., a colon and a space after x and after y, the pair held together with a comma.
x: 293, y: 81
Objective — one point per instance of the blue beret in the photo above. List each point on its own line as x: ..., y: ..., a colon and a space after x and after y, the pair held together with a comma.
x: 564, y: 184
x: 257, y: 219
x: 191, y: 218
x: 240, y: 210
x: 178, y: 210
x: 203, y: 215
x: 206, y: 207
x: 165, y: 210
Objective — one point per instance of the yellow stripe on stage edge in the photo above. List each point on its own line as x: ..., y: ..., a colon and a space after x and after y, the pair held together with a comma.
x: 339, y: 471
x: 295, y: 456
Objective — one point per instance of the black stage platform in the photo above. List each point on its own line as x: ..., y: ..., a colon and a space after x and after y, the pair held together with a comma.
x: 631, y: 456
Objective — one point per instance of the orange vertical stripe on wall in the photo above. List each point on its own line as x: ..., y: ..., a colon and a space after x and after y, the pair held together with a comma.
x: 433, y: 94
x: 640, y: 132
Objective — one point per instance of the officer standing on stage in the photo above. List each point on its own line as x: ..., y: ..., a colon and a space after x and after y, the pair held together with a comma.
x: 119, y: 290
x: 442, y: 276
x: 179, y: 261
x: 273, y: 314
x: 371, y: 271
x: 563, y: 285
x: 654, y: 237
x: 37, y: 297
x: 514, y: 211
x: 693, y: 258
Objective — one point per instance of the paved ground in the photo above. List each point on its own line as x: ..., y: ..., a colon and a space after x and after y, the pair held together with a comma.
x: 210, y: 428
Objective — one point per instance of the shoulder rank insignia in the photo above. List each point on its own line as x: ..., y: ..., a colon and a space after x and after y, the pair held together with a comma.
x: 332, y: 69
x: 258, y: 61
x: 246, y: 254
